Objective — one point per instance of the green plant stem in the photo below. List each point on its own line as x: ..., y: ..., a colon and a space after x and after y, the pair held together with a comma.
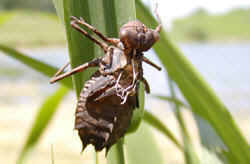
x: 52, y: 155
x: 117, y: 153
x: 97, y: 158
x: 189, y: 153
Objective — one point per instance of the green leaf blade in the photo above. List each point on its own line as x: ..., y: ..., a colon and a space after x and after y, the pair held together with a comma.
x: 141, y: 147
x: 138, y: 113
x: 37, y: 65
x: 41, y: 121
x: 116, y: 153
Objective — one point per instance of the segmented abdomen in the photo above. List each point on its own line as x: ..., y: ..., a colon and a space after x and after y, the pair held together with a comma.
x: 102, y: 121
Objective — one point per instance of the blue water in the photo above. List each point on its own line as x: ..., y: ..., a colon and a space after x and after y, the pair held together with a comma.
x: 227, y: 70
x: 224, y: 66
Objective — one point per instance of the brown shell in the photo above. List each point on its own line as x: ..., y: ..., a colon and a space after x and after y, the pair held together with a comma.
x: 102, y: 121
x: 114, y: 60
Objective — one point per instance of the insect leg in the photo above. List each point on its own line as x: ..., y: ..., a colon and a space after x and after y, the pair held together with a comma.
x: 78, y: 28
x: 56, y: 77
x: 81, y: 21
x: 61, y: 69
x: 146, y: 60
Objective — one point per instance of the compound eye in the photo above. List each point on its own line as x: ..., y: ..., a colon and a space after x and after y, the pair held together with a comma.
x: 141, y: 37
x: 128, y: 37
x: 149, y: 40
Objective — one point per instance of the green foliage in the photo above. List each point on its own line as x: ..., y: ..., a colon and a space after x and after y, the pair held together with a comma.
x: 33, y: 63
x: 142, y: 148
x: 24, y: 28
x: 189, y: 152
x: 41, y: 121
x: 172, y: 100
x: 116, y: 153
x: 138, y: 114
x: 43, y: 5
x: 203, y: 26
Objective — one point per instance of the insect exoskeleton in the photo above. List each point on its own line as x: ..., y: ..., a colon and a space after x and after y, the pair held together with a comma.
x: 101, y: 119
x: 107, y: 100
x: 115, y: 59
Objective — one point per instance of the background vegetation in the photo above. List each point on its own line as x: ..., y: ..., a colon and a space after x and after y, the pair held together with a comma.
x: 40, y: 21
x: 42, y: 5
x: 203, y: 26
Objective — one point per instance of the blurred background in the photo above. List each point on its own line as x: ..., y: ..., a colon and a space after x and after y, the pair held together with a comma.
x: 214, y: 35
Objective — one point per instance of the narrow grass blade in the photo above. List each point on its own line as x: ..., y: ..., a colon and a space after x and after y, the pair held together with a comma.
x: 33, y: 63
x: 81, y: 49
x: 59, y: 9
x: 189, y: 152
x: 42, y: 119
x: 199, y: 95
x: 153, y: 121
x: 141, y: 147
x: 138, y: 113
x: 172, y: 100
x: 52, y: 155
